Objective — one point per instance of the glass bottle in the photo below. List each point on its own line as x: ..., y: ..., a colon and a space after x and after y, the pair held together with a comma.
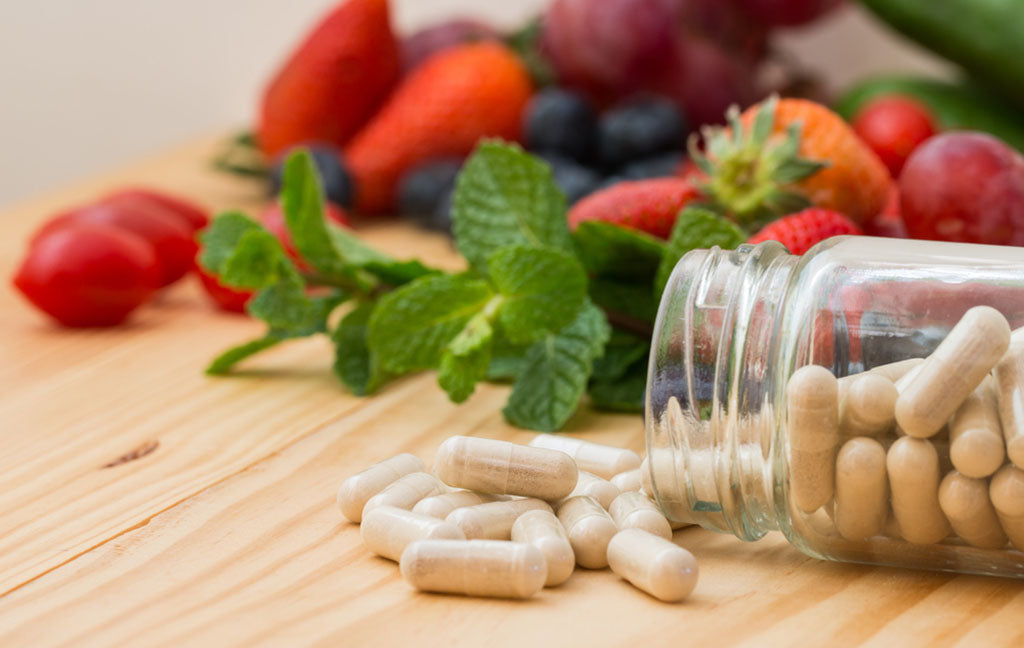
x: 746, y: 436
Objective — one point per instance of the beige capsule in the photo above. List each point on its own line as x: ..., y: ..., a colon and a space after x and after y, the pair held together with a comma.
x: 600, y: 489
x: 494, y: 568
x: 359, y: 488
x: 1006, y: 490
x: 504, y: 468
x: 630, y: 480
x: 634, y: 510
x: 405, y: 492
x: 894, y: 371
x: 967, y: 506
x: 589, y: 528
x: 913, y: 468
x: 440, y: 506
x: 976, y: 445
x: 542, y: 529
x: 862, y: 489
x: 953, y: 371
x: 602, y: 460
x: 653, y: 564
x: 387, y: 531
x: 493, y: 520
x: 813, y: 422
x: 868, y: 407
x: 1009, y: 385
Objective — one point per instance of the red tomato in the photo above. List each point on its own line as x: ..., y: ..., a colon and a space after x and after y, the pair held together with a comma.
x: 196, y: 216
x: 893, y: 127
x: 272, y: 218
x: 171, y: 238
x: 85, y: 274
x: 229, y: 299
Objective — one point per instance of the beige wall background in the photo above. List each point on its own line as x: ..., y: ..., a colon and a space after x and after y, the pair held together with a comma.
x: 89, y: 84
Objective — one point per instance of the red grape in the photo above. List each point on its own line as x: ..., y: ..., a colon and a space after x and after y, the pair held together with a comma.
x: 787, y: 13
x: 431, y: 40
x: 964, y: 186
x: 893, y: 127
x: 704, y: 80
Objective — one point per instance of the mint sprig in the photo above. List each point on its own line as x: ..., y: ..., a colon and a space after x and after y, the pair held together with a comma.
x: 556, y: 313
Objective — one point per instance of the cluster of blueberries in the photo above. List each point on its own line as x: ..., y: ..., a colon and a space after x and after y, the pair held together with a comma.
x: 642, y: 138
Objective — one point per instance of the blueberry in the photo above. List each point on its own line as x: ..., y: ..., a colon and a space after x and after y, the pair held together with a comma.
x: 640, y: 129
x: 441, y: 218
x: 560, y: 122
x: 424, y: 187
x: 575, y: 180
x: 658, y: 166
x: 335, y: 178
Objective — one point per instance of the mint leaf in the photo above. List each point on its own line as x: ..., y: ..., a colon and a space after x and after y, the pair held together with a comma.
x: 696, y: 227
x: 465, y: 361
x: 615, y: 251
x: 625, y: 394
x: 302, y: 201
x: 622, y: 351
x: 221, y: 237
x: 360, y: 255
x: 257, y: 261
x: 228, y: 359
x: 507, y: 359
x: 398, y: 273
x: 631, y: 299
x: 558, y: 366
x: 352, y: 362
x: 411, y: 326
x: 503, y: 197
x: 542, y: 289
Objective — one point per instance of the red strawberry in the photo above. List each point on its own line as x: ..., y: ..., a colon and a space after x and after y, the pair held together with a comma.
x: 334, y: 81
x: 441, y: 109
x: 803, y: 230
x: 647, y: 205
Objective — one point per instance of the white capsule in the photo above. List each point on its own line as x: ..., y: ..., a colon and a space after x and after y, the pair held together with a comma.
x: 1006, y: 491
x: 589, y: 528
x: 1009, y: 384
x: 630, y: 480
x: 387, y: 531
x: 633, y: 510
x: 976, y: 445
x: 967, y: 506
x: 600, y: 489
x: 542, y: 529
x: 493, y: 520
x: 500, y: 467
x: 813, y: 422
x: 896, y: 370
x: 406, y: 492
x: 664, y: 570
x: 359, y: 488
x: 862, y: 489
x: 440, y: 506
x: 913, y: 468
x: 493, y: 568
x: 868, y: 406
x: 602, y: 460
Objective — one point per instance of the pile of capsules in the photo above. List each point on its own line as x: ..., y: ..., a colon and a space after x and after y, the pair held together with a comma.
x: 505, y: 520
x: 918, y: 449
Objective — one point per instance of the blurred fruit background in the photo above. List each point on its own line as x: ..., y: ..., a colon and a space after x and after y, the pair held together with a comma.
x: 157, y: 73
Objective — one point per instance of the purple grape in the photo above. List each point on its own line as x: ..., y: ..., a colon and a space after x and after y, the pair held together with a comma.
x: 430, y: 40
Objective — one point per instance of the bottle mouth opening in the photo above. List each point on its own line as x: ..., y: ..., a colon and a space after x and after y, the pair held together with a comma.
x: 710, y: 417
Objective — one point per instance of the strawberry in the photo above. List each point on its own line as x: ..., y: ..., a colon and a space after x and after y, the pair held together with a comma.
x: 441, y: 109
x: 782, y: 156
x: 334, y: 81
x: 801, y: 231
x: 647, y: 205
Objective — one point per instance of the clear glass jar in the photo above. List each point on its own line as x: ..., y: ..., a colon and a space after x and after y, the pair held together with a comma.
x: 744, y: 438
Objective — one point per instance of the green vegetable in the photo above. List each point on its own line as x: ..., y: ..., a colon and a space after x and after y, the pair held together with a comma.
x: 529, y: 310
x: 961, y: 105
x: 986, y: 37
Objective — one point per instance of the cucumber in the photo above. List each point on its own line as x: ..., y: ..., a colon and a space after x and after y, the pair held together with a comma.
x: 984, y: 36
x: 962, y: 106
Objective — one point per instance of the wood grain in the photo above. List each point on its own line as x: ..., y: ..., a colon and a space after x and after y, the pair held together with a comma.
x: 142, y: 503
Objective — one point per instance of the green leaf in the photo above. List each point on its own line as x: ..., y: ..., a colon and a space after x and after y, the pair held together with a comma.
x: 622, y: 351
x: 503, y: 197
x: 302, y: 201
x: 257, y: 261
x: 360, y: 255
x: 630, y: 298
x: 221, y: 237
x: 398, y: 273
x: 225, y: 361
x: 465, y: 361
x: 615, y: 251
x: 558, y: 367
x: 542, y: 289
x: 411, y: 326
x: 625, y: 394
x: 285, y: 307
x: 696, y: 227
x: 352, y: 361
x: 507, y: 359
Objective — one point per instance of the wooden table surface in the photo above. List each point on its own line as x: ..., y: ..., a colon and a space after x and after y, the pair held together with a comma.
x: 143, y: 503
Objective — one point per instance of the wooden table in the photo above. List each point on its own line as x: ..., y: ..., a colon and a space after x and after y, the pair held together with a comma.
x: 144, y: 503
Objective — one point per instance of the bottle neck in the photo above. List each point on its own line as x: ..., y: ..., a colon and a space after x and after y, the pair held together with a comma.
x: 715, y: 384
